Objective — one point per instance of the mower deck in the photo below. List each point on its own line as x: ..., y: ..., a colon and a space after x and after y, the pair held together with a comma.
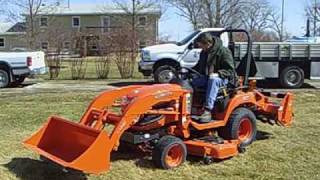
x: 214, y: 149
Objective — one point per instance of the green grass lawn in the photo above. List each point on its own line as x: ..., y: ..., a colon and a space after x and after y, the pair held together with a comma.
x: 90, y: 70
x: 279, y: 153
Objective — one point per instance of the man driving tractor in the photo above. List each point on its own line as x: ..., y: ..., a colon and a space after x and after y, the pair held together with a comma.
x: 218, y: 69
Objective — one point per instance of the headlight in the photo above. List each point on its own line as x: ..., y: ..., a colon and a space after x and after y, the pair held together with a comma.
x: 146, y: 56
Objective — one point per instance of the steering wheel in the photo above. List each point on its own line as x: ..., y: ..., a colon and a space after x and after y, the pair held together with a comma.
x: 189, y: 71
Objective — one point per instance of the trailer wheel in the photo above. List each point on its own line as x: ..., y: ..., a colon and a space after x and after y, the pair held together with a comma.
x: 292, y: 77
x: 241, y: 126
x: 4, y: 78
x: 164, y: 74
x: 170, y: 152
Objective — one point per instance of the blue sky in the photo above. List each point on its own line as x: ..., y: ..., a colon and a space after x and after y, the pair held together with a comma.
x: 176, y: 27
x: 294, y: 19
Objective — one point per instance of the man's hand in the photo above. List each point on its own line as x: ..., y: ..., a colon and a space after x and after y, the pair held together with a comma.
x: 213, y: 75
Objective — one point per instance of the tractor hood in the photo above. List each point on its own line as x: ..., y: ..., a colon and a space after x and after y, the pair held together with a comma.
x: 164, y: 48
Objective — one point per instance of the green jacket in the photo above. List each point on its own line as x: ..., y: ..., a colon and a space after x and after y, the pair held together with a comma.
x: 218, y: 59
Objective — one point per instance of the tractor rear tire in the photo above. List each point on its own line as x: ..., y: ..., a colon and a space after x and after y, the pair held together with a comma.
x: 241, y: 126
x: 170, y: 152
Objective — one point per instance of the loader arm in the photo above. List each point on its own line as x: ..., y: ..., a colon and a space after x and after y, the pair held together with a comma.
x: 87, y: 146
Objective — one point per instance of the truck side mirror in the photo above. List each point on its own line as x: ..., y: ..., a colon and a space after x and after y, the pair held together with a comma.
x: 190, y: 46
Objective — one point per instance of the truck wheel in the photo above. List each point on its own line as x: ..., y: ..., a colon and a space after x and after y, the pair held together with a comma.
x: 292, y: 77
x: 4, y: 78
x: 164, y: 74
x: 241, y: 126
x: 170, y: 152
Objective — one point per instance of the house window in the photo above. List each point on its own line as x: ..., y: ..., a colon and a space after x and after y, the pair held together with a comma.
x: 142, y: 44
x: 44, y: 45
x: 75, y: 21
x: 2, y: 43
x: 43, y: 22
x: 142, y: 20
x: 67, y: 45
x: 105, y: 22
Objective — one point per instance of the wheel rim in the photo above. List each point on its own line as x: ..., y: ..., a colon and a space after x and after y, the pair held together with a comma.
x: 174, y: 156
x: 3, y: 79
x: 245, y: 129
x: 166, y: 76
x: 293, y: 77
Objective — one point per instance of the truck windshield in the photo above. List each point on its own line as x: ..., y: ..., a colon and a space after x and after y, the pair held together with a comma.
x: 188, y: 38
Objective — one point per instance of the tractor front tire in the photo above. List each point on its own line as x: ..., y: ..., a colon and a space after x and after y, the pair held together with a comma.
x: 241, y: 126
x: 170, y: 152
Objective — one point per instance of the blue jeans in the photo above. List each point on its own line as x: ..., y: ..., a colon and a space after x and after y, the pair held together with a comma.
x: 212, y: 85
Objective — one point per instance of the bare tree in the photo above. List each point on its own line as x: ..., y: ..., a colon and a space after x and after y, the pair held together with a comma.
x: 222, y: 13
x: 103, y: 61
x: 209, y: 13
x: 255, y: 15
x: 125, y: 55
x: 275, y: 25
x: 28, y: 10
x: 131, y: 11
x: 191, y: 10
x: 55, y: 36
x: 312, y: 11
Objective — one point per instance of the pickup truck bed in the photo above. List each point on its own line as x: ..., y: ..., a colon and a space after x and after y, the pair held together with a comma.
x: 16, y: 66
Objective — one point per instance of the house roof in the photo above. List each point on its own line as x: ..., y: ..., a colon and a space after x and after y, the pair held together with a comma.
x: 18, y: 27
x: 91, y: 9
x: 4, y: 27
x: 8, y: 29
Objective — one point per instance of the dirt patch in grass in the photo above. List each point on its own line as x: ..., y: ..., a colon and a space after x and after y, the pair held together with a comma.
x: 278, y: 153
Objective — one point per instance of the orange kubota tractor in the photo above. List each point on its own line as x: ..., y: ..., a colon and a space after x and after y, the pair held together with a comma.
x: 162, y: 119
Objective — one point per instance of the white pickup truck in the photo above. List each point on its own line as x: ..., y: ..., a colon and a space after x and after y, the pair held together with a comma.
x: 16, y: 66
x: 288, y: 62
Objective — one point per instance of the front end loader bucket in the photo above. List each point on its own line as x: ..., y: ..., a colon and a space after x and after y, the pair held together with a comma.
x: 72, y: 145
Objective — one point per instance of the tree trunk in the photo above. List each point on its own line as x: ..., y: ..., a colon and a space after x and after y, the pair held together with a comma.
x: 218, y: 13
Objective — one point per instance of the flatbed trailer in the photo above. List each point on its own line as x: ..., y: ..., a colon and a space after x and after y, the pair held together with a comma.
x: 289, y: 62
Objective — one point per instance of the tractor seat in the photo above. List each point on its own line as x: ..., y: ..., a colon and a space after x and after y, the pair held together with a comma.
x: 222, y: 100
x: 148, y: 119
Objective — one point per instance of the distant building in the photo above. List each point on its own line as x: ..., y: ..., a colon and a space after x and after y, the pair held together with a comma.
x: 57, y: 29
x: 11, y: 39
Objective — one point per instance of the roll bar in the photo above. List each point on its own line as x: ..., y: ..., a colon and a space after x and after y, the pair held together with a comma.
x: 249, y: 49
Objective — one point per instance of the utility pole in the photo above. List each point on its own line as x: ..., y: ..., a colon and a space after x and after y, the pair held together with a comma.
x: 315, y: 19
x: 282, y: 21
x: 134, y: 21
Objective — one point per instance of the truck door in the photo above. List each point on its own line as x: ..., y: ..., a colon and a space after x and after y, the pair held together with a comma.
x: 192, y: 57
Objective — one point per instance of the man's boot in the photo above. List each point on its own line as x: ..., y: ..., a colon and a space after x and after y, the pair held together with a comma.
x: 206, y: 117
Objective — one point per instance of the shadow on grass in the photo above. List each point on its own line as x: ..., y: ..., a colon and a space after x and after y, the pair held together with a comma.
x: 26, y: 84
x: 141, y: 160
x: 273, y: 84
x: 130, y: 83
x: 29, y: 169
x: 262, y: 135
